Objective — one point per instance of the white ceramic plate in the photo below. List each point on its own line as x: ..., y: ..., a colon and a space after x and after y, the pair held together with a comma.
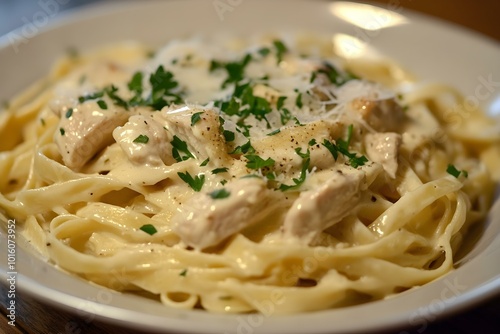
x: 432, y: 50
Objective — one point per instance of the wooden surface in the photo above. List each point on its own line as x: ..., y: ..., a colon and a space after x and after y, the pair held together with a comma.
x: 33, y: 317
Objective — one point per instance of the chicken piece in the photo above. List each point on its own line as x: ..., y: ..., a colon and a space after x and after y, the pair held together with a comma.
x: 204, y: 138
x: 332, y: 195
x: 87, y: 131
x: 85, y: 127
x: 204, y: 221
x: 384, y: 115
x: 145, y: 141
x: 384, y: 149
x: 281, y: 146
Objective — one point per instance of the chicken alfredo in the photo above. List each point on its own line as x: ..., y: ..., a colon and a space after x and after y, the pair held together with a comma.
x: 214, y: 174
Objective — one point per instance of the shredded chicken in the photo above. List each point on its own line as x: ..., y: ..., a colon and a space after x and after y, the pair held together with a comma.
x: 159, y: 150
x: 204, y: 138
x: 87, y: 131
x: 384, y: 148
x: 204, y: 221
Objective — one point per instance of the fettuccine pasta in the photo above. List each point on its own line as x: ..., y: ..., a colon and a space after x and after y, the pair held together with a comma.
x: 219, y: 174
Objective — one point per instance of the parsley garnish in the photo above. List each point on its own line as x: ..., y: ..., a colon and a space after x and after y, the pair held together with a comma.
x: 69, y: 112
x: 306, y: 161
x: 342, y: 147
x: 102, y: 104
x: 281, y: 49
x: 62, y: 131
x: 332, y: 148
x: 195, y: 118
x: 148, y: 228
x: 205, y: 162
x: 272, y: 133
x: 111, y: 92
x: 179, y: 146
x: 220, y: 170
x: 298, y: 101
x: 334, y: 75
x: 94, y: 96
x: 135, y: 84
x: 183, y: 273
x: 280, y: 102
x: 235, y: 70
x: 243, y: 149
x: 244, y: 129
x: 264, y: 51
x: 231, y: 107
x: 219, y: 194
x: 195, y: 183
x: 142, y: 139
x: 162, y: 83
x: 228, y: 135
x: 285, y: 115
x: 452, y: 170
x: 256, y: 162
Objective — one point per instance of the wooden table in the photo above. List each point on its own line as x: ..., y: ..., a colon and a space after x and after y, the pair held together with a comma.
x: 34, y: 317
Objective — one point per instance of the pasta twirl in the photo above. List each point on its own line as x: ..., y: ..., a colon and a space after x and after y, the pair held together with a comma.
x: 221, y: 174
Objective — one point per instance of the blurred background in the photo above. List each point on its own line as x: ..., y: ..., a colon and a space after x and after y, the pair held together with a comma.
x: 480, y: 15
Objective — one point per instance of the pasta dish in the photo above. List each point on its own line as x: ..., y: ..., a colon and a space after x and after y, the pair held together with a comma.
x: 222, y: 174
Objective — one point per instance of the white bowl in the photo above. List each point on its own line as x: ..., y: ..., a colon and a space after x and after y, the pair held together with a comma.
x: 432, y: 50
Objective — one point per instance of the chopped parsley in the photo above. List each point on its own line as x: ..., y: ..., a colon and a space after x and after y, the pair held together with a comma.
x: 111, y: 93
x: 281, y: 49
x: 332, y: 148
x: 452, y: 170
x: 285, y: 116
x: 306, y: 161
x: 135, y: 84
x: 148, y: 228
x: 142, y: 139
x: 162, y: 83
x: 243, y: 149
x: 196, y: 117
x: 62, y: 131
x: 272, y: 133
x: 264, y: 51
x: 93, y: 96
x: 280, y: 102
x: 337, y: 78
x: 235, y: 70
x: 183, y: 273
x: 228, y: 135
x: 342, y: 146
x: 205, y: 162
x: 256, y: 162
x: 69, y: 112
x: 298, y: 101
x: 219, y: 194
x: 179, y: 146
x: 102, y: 104
x: 220, y: 170
x: 195, y: 183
